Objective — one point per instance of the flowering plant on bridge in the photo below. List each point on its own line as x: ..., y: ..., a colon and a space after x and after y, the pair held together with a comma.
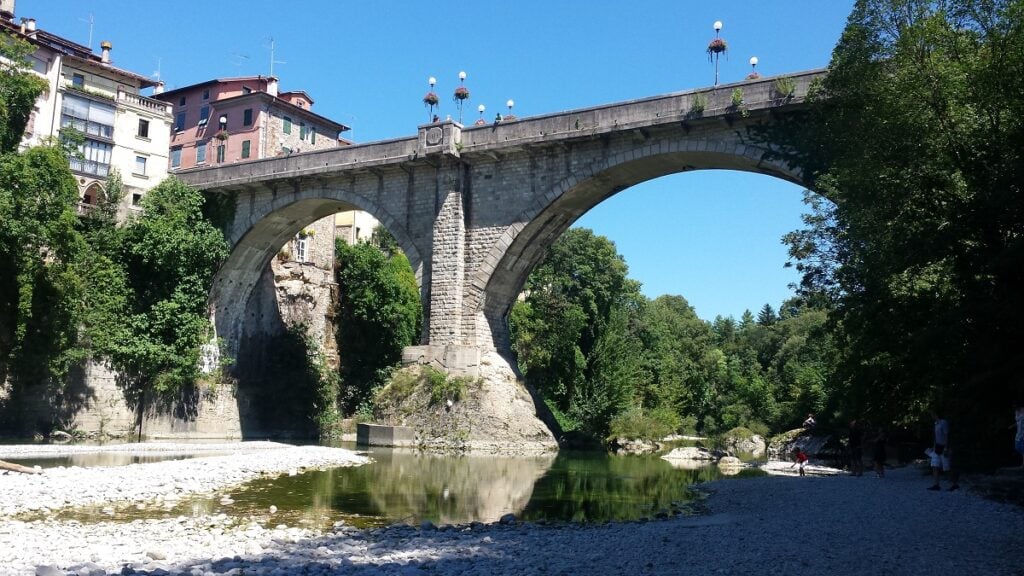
x: 716, y: 46
x: 462, y: 93
x: 431, y: 99
x: 753, y: 76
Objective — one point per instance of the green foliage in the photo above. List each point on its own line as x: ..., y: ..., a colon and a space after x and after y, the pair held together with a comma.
x: 785, y: 87
x: 635, y: 423
x: 19, y: 90
x: 736, y: 98
x: 40, y: 293
x: 445, y: 388
x: 575, y: 332
x: 169, y: 256
x: 379, y: 313
x: 699, y: 104
x: 916, y: 137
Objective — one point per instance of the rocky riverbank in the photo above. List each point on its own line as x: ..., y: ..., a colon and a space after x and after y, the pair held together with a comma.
x: 771, y: 525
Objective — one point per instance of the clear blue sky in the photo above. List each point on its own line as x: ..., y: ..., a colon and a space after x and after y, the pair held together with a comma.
x: 710, y: 236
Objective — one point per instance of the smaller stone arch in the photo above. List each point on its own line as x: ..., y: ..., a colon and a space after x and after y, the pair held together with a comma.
x: 258, y: 236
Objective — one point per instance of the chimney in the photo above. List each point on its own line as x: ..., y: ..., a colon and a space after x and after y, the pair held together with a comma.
x: 29, y: 24
x: 106, y: 46
x: 7, y: 9
x: 159, y: 88
x: 272, y: 86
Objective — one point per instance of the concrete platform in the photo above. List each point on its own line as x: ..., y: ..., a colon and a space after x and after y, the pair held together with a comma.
x: 381, y: 435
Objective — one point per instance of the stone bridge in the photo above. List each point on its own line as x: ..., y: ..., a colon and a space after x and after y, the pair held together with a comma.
x: 475, y: 208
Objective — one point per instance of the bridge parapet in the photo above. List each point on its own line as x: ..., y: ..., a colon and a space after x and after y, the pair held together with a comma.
x: 644, y: 113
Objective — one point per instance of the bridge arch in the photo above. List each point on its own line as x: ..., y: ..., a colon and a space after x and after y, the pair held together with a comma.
x: 267, y: 226
x: 498, y: 282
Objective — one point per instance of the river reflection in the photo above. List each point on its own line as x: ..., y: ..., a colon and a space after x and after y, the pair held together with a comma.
x: 402, y: 485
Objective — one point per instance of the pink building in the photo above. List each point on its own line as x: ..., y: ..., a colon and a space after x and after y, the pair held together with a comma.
x: 232, y: 120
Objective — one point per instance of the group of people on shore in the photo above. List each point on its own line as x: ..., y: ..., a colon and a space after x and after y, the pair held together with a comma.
x: 939, y: 454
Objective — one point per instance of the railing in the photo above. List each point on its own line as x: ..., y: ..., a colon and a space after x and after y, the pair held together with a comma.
x: 143, y: 102
x: 89, y: 167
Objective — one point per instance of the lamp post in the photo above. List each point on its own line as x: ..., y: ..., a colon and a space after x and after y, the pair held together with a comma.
x: 716, y: 47
x: 461, y: 94
x: 753, y: 69
x: 480, y: 121
x: 510, y: 104
x: 431, y: 99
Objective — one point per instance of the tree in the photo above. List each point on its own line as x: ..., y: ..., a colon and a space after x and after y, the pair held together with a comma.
x: 19, y: 90
x: 379, y: 313
x: 579, y: 302
x: 766, y: 317
x: 916, y: 136
x: 168, y: 256
x: 40, y: 296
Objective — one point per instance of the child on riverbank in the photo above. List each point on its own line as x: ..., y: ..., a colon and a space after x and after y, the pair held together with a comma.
x: 799, y: 457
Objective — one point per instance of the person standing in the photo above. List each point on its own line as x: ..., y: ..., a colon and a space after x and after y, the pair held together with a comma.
x: 879, y: 454
x: 941, y: 454
x: 1018, y: 440
x: 855, y: 445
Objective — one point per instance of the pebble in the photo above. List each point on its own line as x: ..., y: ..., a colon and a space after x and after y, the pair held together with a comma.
x: 792, y: 526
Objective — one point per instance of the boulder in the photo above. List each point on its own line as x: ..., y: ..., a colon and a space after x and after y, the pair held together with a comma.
x: 689, y: 453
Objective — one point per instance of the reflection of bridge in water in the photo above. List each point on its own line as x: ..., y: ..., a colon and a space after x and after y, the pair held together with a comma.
x: 410, y: 487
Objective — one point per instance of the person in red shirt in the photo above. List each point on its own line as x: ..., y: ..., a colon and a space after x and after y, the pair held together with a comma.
x: 799, y: 457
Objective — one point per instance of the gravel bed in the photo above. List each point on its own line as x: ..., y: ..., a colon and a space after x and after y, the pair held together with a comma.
x: 837, y: 525
x: 63, y: 487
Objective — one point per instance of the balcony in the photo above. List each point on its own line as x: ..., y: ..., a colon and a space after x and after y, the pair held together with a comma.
x: 90, y: 167
x: 148, y: 104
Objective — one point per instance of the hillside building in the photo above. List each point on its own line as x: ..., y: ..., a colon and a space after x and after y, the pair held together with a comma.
x: 122, y: 129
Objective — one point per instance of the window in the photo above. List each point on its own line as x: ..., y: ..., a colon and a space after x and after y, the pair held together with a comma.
x: 206, y: 94
x: 302, y: 131
x: 312, y: 134
x: 40, y: 65
x: 143, y: 128
x: 200, y: 152
x: 136, y: 199
x: 246, y: 148
x: 204, y: 115
x: 247, y: 117
x: 301, y: 248
x: 140, y: 166
x: 181, y: 101
x: 287, y: 125
x: 179, y: 122
x: 246, y: 90
x: 220, y: 154
x: 93, y: 158
x: 78, y: 81
x: 176, y: 157
x: 88, y: 117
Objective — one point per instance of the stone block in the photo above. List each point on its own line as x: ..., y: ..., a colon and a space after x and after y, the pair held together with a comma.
x: 381, y: 435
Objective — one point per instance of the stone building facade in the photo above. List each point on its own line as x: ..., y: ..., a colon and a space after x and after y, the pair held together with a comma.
x: 122, y: 129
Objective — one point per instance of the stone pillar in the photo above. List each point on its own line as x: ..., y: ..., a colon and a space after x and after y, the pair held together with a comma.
x: 447, y: 262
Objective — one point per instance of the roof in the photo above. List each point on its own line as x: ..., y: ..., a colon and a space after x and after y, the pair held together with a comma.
x: 73, y: 51
x: 302, y: 92
x: 214, y: 82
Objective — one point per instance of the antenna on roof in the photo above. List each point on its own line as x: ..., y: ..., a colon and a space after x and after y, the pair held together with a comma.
x: 272, y: 61
x: 236, y: 60
x: 156, y: 73
x: 90, y: 21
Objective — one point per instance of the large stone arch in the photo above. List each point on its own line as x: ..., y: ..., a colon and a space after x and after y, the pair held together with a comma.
x: 256, y: 238
x: 523, y: 244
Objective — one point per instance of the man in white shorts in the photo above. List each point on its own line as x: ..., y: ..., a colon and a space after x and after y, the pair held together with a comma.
x: 940, y: 454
